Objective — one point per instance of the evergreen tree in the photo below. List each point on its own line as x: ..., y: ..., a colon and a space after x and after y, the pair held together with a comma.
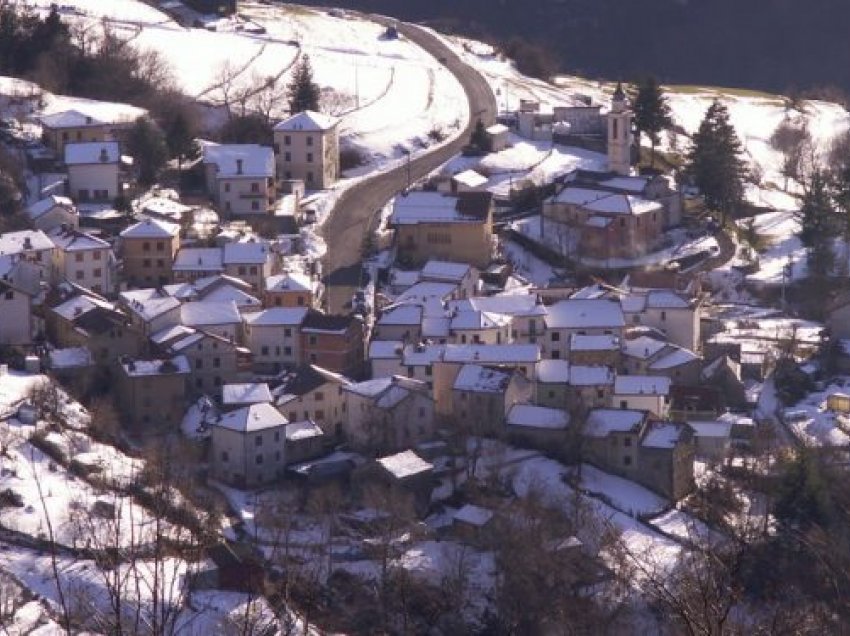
x: 818, y: 227
x: 180, y: 137
x: 479, y: 137
x: 715, y: 164
x: 146, y: 143
x: 303, y: 93
x: 652, y: 114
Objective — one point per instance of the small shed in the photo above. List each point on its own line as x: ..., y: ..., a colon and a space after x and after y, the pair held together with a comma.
x: 497, y: 137
x: 838, y: 403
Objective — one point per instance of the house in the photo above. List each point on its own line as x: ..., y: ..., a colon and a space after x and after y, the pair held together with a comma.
x: 249, y: 446
x: 83, y: 259
x: 477, y: 327
x: 552, y: 388
x: 386, y: 414
x: 214, y: 361
x: 148, y: 250
x: 462, y: 275
x: 643, y: 392
x: 580, y: 316
x: 589, y: 387
x: 672, y: 313
x: 497, y: 137
x: 341, y: 286
x: 32, y: 246
x: 304, y: 441
x: 72, y: 126
x: 16, y: 324
x: 218, y: 288
x: 251, y: 261
x: 53, y: 212
x: 612, y: 437
x: 311, y: 393
x: 274, y: 338
x: 482, y: 396
x: 221, y: 318
x: 240, y: 178
x: 538, y: 427
x: 526, y: 311
x: 432, y: 225
x: 468, y: 181
x: 192, y: 263
x: 667, y: 459
x: 335, y: 343
x: 235, y: 396
x: 150, y: 310
x: 94, y: 171
x: 404, y: 479
x: 306, y: 147
x: 385, y: 358
x: 85, y: 319
x: 151, y: 394
x: 594, y: 350
x: 402, y: 322
x: 291, y: 289
x: 712, y: 439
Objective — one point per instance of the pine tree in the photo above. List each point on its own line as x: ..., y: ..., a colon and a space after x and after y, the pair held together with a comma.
x: 146, y: 143
x: 715, y: 163
x: 303, y: 93
x: 180, y: 137
x: 817, y: 227
x: 479, y: 137
x: 652, y: 114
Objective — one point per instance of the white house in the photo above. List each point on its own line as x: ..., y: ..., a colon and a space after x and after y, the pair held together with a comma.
x: 251, y: 261
x: 642, y: 393
x: 32, y: 246
x: 307, y: 148
x: 151, y: 310
x: 671, y: 313
x: 52, y: 212
x: 192, y: 263
x: 216, y: 317
x: 241, y: 178
x: 82, y: 259
x: 273, y: 336
x: 94, y: 171
x: 581, y: 316
x: 249, y: 446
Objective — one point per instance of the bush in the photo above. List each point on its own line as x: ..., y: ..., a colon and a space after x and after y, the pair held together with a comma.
x: 531, y: 59
x: 351, y: 158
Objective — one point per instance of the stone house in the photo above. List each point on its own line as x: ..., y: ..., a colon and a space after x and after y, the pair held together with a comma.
x: 152, y: 393
x: 71, y: 126
x: 404, y: 479
x: 16, y: 325
x: 83, y: 259
x: 594, y: 350
x: 552, y: 388
x: 667, y: 459
x: 464, y: 276
x: 671, y: 313
x: 304, y: 441
x: 251, y: 261
x: 150, y: 310
x: 311, y: 393
x: 148, y: 249
x: 482, y: 397
x: 221, y: 318
x: 589, y: 387
x: 239, y: 394
x: 306, y: 147
x: 642, y: 392
x: 580, y: 316
x: 432, y: 225
x: 192, y: 263
x: 274, y: 338
x: 94, y: 171
x: 335, y: 343
x: 31, y: 246
x: 291, y: 289
x: 540, y: 427
x: 249, y: 446
x: 240, y: 178
x: 53, y: 212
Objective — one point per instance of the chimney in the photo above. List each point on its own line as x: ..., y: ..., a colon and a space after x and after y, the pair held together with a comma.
x: 238, y: 166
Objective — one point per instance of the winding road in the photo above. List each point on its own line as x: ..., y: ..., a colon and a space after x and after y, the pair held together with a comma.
x: 356, y: 208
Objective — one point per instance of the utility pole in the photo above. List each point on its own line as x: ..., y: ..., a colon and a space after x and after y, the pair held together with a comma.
x: 407, y: 152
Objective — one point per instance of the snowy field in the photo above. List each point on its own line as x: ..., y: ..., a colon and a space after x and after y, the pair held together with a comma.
x: 813, y: 424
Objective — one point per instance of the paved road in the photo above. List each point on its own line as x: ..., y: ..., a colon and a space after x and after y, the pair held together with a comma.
x: 355, y: 211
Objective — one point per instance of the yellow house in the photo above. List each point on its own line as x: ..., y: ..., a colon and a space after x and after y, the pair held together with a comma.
x: 431, y: 225
x: 72, y: 127
x: 307, y: 147
x: 148, y: 249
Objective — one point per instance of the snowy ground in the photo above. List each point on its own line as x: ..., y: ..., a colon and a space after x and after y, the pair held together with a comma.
x: 813, y: 424
x: 622, y: 493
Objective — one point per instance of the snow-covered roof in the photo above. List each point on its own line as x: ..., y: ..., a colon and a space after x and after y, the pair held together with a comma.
x: 161, y: 366
x: 553, y: 371
x: 163, y: 206
x: 71, y: 240
x: 275, y: 316
x: 407, y: 314
x: 577, y: 313
x: 198, y: 258
x: 70, y: 358
x: 607, y: 342
x: 422, y: 355
x: 497, y: 129
x: 517, y: 305
x: 422, y: 291
x: 436, y: 327
x: 474, y: 377
x: 24, y: 241
x: 246, y: 393
x: 444, y: 271
x: 306, y: 121
x: 405, y: 464
x: 473, y: 515
x: 69, y: 119
x: 430, y: 207
x: 601, y: 422
x: 42, y: 207
x: 633, y: 303
x: 385, y: 349
x: 492, y: 354
x: 241, y: 160
x: 306, y: 429
x: 477, y: 320
x: 403, y: 278
x: 590, y: 375
x: 623, y: 204
x: 173, y: 333
x: 151, y: 228
x: 289, y: 281
x: 716, y: 428
x: 633, y: 185
x: 578, y: 196
x: 530, y: 416
x: 676, y: 357
x: 470, y: 178
x: 105, y: 152
x: 227, y: 293
x: 643, y: 347
x: 370, y: 388
x: 665, y: 299
x: 255, y: 417
x: 149, y: 303
x: 249, y: 252
x: 207, y: 313
x: 662, y: 435
x: 642, y: 385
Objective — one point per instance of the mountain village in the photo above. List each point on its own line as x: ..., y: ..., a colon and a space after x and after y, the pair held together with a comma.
x: 229, y: 404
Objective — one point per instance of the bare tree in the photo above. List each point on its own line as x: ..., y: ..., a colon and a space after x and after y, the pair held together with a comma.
x: 793, y: 140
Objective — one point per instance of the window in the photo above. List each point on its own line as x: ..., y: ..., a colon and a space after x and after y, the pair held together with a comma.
x: 293, y: 416
x: 556, y: 355
x: 277, y: 436
x: 312, y: 340
x: 663, y: 315
x: 428, y: 371
x: 242, y: 270
x: 224, y: 456
x: 160, y: 262
x: 80, y: 274
x: 319, y: 396
x: 216, y: 362
x: 287, y: 140
x: 287, y: 351
x: 227, y: 187
x: 421, y: 412
x: 313, y: 358
x: 309, y: 176
x: 627, y: 441
x: 287, y: 156
x: 309, y: 157
x: 410, y: 371
x: 277, y: 301
x: 276, y: 147
x: 255, y: 187
x: 146, y: 262
x: 309, y: 140
x: 258, y: 440
x: 10, y: 295
x: 614, y: 128
x: 320, y: 414
x: 300, y: 301
x: 556, y: 336
x: 199, y: 364
x: 160, y: 246
x: 622, y: 222
x: 97, y: 272
x: 255, y: 205
x: 78, y: 257
x: 551, y: 395
x: 259, y: 459
x: 627, y: 460
x: 287, y: 332
x: 264, y: 350
x: 146, y: 247
x: 624, y: 404
x: 600, y: 394
x: 253, y: 270
x: 277, y: 456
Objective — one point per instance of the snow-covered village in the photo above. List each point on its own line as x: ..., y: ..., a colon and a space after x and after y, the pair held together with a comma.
x: 317, y: 321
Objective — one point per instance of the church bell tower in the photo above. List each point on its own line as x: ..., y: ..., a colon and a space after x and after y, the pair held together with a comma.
x: 620, y: 138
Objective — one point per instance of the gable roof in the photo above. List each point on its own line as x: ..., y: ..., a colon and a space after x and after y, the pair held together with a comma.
x: 245, y: 393
x: 255, y: 417
x: 249, y: 252
x: 71, y: 240
x: 642, y: 385
x: 601, y: 422
x: 241, y: 160
x: 435, y: 207
x: 276, y: 316
x: 308, y: 120
x: 405, y: 464
x: 208, y: 313
x: 151, y: 228
x: 24, y: 241
x: 531, y: 416
x: 475, y: 378
x: 69, y: 119
x: 576, y: 313
x: 94, y: 152
x: 198, y: 258
x: 42, y: 207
